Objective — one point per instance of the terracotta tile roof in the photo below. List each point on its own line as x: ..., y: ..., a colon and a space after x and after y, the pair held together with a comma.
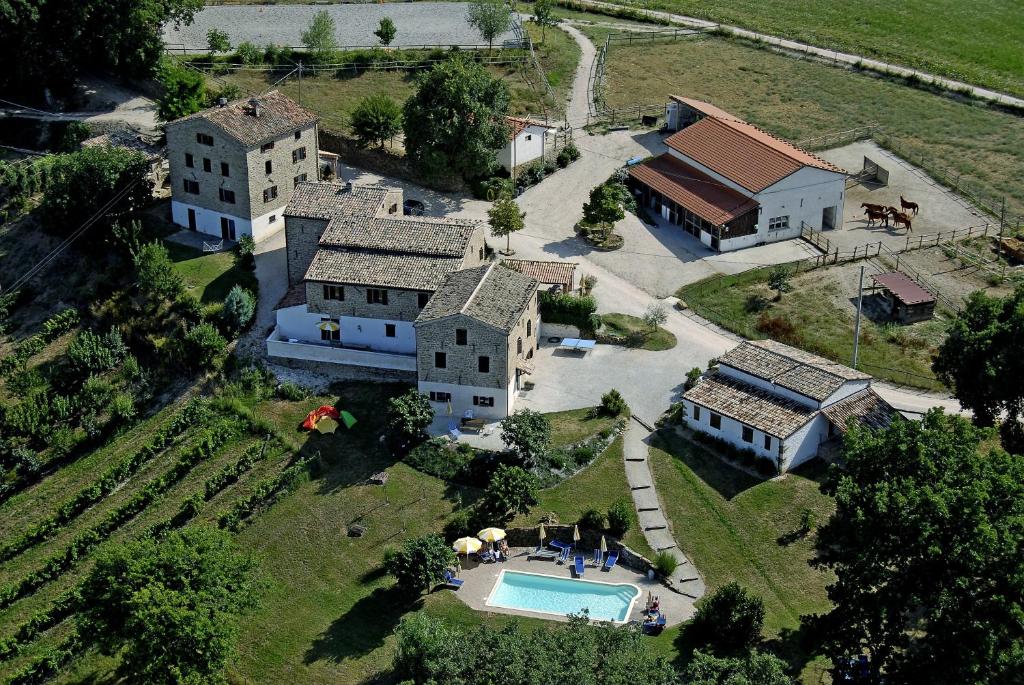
x: 420, y: 235
x: 381, y: 269
x: 740, y: 151
x: 748, y: 404
x: 296, y: 295
x: 906, y: 289
x: 278, y: 116
x: 545, y: 272
x: 325, y: 200
x: 692, y: 189
x: 517, y: 125
x: 810, y: 375
x: 865, y: 406
x: 492, y: 294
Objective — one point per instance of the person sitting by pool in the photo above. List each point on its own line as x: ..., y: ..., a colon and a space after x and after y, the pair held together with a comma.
x: 503, y: 548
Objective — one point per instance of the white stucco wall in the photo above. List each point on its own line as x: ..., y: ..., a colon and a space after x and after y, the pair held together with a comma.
x: 462, y: 400
x: 300, y: 324
x: 848, y: 388
x: 803, y: 444
x: 731, y: 431
x: 529, y: 145
x: 801, y: 196
x: 208, y: 221
x: 278, y: 346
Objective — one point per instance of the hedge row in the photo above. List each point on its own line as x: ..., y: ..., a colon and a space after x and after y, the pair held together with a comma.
x: 213, y: 439
x: 50, y: 665
x: 266, y: 494
x: 567, y: 309
x: 194, y: 412
x: 65, y: 605
x: 54, y: 327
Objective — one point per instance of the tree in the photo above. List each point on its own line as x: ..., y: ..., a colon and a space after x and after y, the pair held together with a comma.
x: 980, y: 358
x: 182, y: 91
x: 202, y: 346
x: 83, y: 183
x: 386, y: 31
x: 756, y: 668
x: 409, y: 414
x: 778, y: 280
x: 155, y: 272
x: 239, y: 307
x: 506, y: 219
x: 375, y: 119
x: 421, y: 563
x: 655, y: 315
x: 218, y: 41
x: 729, y: 621
x: 73, y: 135
x: 455, y: 121
x: 543, y: 15
x: 620, y: 516
x: 490, y: 17
x: 527, y: 433
x: 605, y: 205
x: 169, y: 608
x: 511, y: 491
x: 319, y: 38
x: 613, y: 403
x: 249, y: 53
x: 927, y: 549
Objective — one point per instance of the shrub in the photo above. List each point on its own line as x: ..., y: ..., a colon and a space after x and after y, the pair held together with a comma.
x: 248, y: 53
x: 665, y: 564
x: 567, y: 155
x: 583, y: 455
x: 156, y: 274
x: 549, y: 167
x: 421, y: 563
x: 755, y: 303
x: 62, y: 441
x: 613, y: 404
x: 807, y: 521
x: 91, y: 353
x: 122, y: 408
x: 778, y: 328
x: 247, y: 251
x: 434, y: 457
x: 729, y: 621
x: 201, y: 347
x: 592, y: 519
x: 409, y: 415
x: 239, y: 307
x: 692, y: 377
x: 96, y: 392
x: 291, y: 391
x: 567, y: 309
x: 492, y: 188
x: 620, y: 516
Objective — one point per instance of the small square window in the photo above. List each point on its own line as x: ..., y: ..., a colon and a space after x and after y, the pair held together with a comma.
x: 266, y: 147
x: 422, y: 299
x: 334, y: 292
x: 270, y: 194
x: 207, y: 165
x: 204, y: 139
x: 191, y: 186
x: 227, y: 196
x: 748, y: 434
x: 389, y: 330
x: 298, y: 154
x: 483, y: 364
x: 482, y: 401
x: 301, y: 178
x: 461, y: 336
x: 440, y: 360
x: 190, y: 161
x: 716, y: 421
x: 225, y: 170
x: 376, y: 296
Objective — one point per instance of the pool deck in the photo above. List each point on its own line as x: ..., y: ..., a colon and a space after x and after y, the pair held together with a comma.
x: 479, y: 580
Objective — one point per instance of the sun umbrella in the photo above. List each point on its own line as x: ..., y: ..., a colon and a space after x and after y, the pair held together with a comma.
x: 575, y: 533
x: 604, y: 545
x: 449, y: 407
x: 542, y: 535
x: 328, y: 326
x: 491, y: 534
x: 467, y: 545
x: 327, y: 425
x: 348, y: 419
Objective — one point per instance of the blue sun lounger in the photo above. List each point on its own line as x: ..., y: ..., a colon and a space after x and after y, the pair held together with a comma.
x: 543, y: 553
x: 609, y: 563
x: 578, y: 565
x: 559, y: 545
x: 564, y: 555
x: 451, y: 581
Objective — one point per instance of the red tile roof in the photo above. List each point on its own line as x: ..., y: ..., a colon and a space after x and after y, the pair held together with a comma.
x: 692, y: 189
x: 517, y: 125
x: 740, y: 151
x: 545, y: 272
x: 907, y: 290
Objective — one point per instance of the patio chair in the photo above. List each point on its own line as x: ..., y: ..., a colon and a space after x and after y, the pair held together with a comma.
x: 598, y: 559
x: 451, y: 581
x: 564, y: 555
x: 577, y: 564
x: 453, y: 430
x: 543, y: 553
x: 559, y: 545
x: 655, y: 626
x: 609, y: 563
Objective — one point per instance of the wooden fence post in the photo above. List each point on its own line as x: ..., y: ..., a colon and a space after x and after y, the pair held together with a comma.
x: 907, y: 247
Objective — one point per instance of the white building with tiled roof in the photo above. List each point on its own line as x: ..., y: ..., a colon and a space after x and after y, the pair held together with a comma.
x: 733, y: 185
x: 781, y: 403
x: 527, y: 142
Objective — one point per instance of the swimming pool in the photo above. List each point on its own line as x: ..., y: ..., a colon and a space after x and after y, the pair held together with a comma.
x: 559, y: 595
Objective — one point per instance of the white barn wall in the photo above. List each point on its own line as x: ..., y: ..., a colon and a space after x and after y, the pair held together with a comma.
x: 731, y: 431
x: 299, y: 323
x: 849, y: 388
x: 803, y: 445
x: 208, y: 221
x: 801, y: 196
x: 529, y: 146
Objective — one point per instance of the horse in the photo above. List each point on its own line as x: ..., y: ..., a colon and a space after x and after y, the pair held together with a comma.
x: 907, y: 204
x: 868, y: 207
x: 874, y: 216
x: 901, y: 218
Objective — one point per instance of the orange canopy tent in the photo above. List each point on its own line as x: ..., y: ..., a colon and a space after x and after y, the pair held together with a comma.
x: 317, y: 414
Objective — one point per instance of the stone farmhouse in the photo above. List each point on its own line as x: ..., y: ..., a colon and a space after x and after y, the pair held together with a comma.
x: 527, y: 142
x: 781, y: 403
x: 414, y: 297
x: 233, y: 167
x: 732, y: 185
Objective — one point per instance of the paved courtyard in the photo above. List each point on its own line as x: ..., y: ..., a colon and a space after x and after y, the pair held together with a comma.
x: 479, y: 580
x: 420, y: 23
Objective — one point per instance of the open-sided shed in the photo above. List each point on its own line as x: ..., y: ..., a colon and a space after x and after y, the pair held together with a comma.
x: 906, y: 299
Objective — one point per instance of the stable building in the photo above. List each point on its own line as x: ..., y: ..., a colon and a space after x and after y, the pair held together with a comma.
x: 527, y: 142
x: 905, y: 299
x: 733, y: 185
x: 782, y: 403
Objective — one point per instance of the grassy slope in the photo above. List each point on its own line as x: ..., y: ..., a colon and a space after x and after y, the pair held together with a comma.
x: 798, y: 99
x: 976, y: 41
x: 209, y: 276
x: 558, y: 54
x: 574, y: 425
x: 625, y: 324
x: 822, y: 327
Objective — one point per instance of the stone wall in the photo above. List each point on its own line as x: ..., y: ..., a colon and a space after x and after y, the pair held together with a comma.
x: 341, y: 372
x: 462, y: 360
x: 181, y: 139
x: 403, y: 305
x: 283, y: 171
x: 302, y: 239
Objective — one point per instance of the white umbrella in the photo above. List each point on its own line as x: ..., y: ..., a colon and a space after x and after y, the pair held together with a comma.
x: 491, y: 534
x: 542, y: 535
x: 575, y: 533
x: 604, y: 545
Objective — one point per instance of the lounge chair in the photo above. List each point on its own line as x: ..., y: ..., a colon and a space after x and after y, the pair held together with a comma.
x: 543, y: 553
x: 559, y: 545
x: 564, y: 555
x: 598, y: 559
x: 577, y: 564
x: 453, y: 431
x: 451, y: 581
x: 655, y: 626
x: 609, y: 563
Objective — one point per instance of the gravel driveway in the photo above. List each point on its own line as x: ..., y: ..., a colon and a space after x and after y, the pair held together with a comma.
x: 419, y: 23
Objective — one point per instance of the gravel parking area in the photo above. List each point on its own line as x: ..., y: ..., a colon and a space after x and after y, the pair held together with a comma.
x: 420, y: 23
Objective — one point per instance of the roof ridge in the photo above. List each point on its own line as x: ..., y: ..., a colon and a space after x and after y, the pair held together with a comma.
x: 736, y: 120
x: 476, y: 289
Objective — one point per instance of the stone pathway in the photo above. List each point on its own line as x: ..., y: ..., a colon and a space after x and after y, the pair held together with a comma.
x: 656, y: 528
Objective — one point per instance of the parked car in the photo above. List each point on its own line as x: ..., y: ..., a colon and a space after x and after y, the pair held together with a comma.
x: 413, y: 208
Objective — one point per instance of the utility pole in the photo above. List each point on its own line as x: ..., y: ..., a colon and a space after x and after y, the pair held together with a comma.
x: 856, y: 325
x: 999, y: 240
x: 300, y: 81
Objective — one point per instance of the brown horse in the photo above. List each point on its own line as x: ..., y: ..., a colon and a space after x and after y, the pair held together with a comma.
x: 907, y: 204
x: 900, y: 218
x: 874, y: 216
x: 868, y: 207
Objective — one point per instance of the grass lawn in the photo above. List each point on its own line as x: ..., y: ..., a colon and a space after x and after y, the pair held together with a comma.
x: 626, y: 325
x: 730, y: 524
x: 977, y: 41
x: 822, y: 322
x: 210, y: 276
x: 799, y: 99
x: 568, y: 427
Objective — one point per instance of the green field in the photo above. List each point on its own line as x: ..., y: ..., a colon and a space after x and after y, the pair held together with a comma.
x: 799, y: 99
x: 978, y: 41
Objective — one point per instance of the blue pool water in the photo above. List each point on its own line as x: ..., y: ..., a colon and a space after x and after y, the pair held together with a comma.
x: 559, y: 595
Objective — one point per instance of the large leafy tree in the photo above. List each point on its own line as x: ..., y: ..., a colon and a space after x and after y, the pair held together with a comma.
x: 527, y: 433
x: 170, y: 608
x: 490, y: 17
x: 981, y: 357
x: 420, y: 564
x: 409, y: 414
x: 605, y: 206
x: 729, y: 621
x: 511, y: 490
x: 376, y: 119
x: 455, y: 122
x: 319, y: 38
x: 756, y: 668
x: 182, y: 91
x: 926, y: 545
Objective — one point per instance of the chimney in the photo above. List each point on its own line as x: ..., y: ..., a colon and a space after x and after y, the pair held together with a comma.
x: 255, y: 105
x: 222, y: 101
x: 348, y: 187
